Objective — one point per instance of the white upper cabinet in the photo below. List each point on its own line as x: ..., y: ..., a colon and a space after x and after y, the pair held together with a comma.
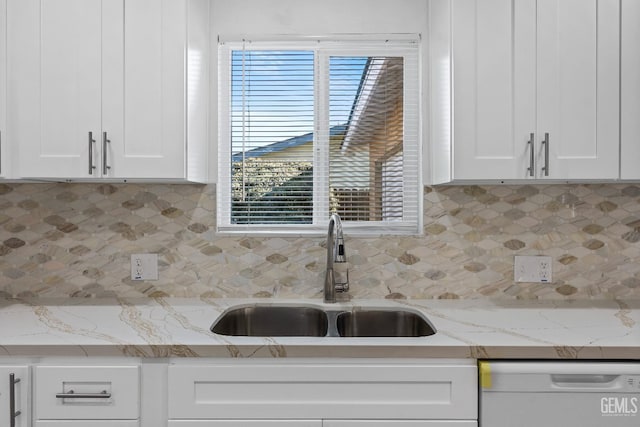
x: 55, y: 95
x: 630, y: 84
x: 522, y: 70
x: 494, y: 87
x: 578, y: 67
x: 4, y: 163
x: 109, y: 88
x: 165, y: 78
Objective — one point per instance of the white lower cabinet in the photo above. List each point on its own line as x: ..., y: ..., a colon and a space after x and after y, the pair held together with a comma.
x: 340, y: 392
x: 399, y: 423
x: 324, y: 423
x: 86, y: 396
x: 291, y: 392
x: 245, y: 423
x: 86, y: 423
x: 15, y: 410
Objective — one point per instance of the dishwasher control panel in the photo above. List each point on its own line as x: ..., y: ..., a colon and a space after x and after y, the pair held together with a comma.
x: 631, y: 383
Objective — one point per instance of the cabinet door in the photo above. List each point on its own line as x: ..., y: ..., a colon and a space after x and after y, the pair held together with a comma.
x: 4, y: 164
x: 578, y: 88
x: 493, y: 88
x: 630, y: 56
x: 20, y: 394
x: 55, y: 50
x: 399, y: 423
x: 145, y: 122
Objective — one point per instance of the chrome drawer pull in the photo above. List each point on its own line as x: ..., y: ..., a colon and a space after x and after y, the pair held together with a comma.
x: 105, y: 165
x: 91, y: 142
x: 545, y: 169
x: 73, y: 395
x: 530, y: 169
x: 13, y: 414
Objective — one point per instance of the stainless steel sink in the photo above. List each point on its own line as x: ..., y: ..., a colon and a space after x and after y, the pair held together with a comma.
x: 303, y: 321
x: 383, y: 323
x: 273, y: 321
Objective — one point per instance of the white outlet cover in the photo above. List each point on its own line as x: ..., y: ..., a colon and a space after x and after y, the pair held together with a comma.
x: 533, y: 269
x: 144, y: 266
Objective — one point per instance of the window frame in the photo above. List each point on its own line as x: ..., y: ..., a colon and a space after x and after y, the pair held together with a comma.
x: 406, y: 46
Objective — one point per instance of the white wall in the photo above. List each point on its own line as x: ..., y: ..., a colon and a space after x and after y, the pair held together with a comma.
x: 313, y: 17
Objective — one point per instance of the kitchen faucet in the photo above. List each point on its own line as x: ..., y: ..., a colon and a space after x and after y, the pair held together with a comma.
x: 335, y: 253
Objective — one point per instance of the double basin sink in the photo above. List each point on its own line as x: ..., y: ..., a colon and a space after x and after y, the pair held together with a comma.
x: 308, y: 321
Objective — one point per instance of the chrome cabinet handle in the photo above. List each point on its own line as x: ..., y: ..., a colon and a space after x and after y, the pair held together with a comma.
x: 105, y: 141
x: 73, y: 395
x: 531, y: 169
x: 545, y: 169
x: 91, y: 142
x: 13, y: 414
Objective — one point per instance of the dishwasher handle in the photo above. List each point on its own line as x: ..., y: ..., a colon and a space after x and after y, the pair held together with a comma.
x: 585, y: 381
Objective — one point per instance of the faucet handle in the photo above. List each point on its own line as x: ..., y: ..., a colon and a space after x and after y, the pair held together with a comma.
x: 343, y: 286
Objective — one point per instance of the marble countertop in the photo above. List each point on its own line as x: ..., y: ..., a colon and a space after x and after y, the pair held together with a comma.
x: 179, y: 327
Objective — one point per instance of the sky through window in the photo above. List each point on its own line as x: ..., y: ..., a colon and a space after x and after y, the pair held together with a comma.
x: 272, y: 95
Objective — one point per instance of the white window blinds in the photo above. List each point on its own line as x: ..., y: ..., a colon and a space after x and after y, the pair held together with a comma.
x: 311, y: 130
x: 272, y: 117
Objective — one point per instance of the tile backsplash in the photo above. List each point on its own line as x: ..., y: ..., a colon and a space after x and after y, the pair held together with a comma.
x: 75, y: 240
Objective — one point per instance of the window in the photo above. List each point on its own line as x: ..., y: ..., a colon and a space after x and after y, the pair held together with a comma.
x: 307, y: 129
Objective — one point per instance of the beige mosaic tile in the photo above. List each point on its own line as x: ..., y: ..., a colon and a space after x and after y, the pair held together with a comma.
x: 59, y: 240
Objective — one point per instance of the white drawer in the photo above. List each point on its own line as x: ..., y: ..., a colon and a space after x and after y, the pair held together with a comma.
x: 341, y: 389
x: 120, y: 385
x: 245, y: 423
x: 83, y: 423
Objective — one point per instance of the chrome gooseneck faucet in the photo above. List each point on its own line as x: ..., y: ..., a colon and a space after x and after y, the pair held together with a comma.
x: 335, y: 253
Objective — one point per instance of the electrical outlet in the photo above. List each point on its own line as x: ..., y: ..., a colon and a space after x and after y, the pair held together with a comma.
x: 533, y: 269
x: 144, y: 267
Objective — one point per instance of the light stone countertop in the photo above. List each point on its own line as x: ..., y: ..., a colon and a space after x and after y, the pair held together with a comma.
x: 179, y: 327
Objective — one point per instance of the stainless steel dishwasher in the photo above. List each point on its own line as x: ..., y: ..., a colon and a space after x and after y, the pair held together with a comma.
x: 567, y: 394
